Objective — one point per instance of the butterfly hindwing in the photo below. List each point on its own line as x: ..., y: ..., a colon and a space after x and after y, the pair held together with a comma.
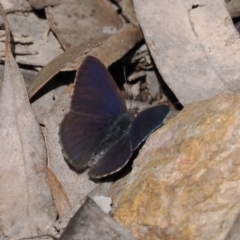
x: 114, y: 160
x: 146, y: 122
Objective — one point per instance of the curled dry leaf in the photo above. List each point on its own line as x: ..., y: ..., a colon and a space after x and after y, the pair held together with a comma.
x: 196, y: 51
x: 113, y: 48
x: 128, y: 11
x: 58, y: 63
x: 104, y: 49
x: 26, y: 205
x: 43, y: 3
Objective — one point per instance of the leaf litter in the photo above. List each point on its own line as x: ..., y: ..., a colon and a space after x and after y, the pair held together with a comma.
x: 38, y: 188
x: 26, y: 203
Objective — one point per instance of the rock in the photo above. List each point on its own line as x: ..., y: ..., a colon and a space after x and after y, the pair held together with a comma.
x: 185, y: 183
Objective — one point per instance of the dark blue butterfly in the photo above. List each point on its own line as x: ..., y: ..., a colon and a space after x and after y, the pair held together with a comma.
x: 98, y: 132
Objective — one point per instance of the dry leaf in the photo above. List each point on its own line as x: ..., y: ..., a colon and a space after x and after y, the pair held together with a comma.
x: 40, y: 52
x: 43, y: 3
x: 90, y: 222
x: 60, y: 197
x: 113, y: 48
x: 196, y: 51
x: 78, y: 22
x: 26, y: 206
x: 15, y: 5
x: 233, y: 6
x: 128, y: 11
x: 46, y: 101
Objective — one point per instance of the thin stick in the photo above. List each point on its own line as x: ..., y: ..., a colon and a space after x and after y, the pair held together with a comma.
x: 7, y: 31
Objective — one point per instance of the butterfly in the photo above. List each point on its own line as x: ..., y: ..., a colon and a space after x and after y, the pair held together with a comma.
x: 98, y: 132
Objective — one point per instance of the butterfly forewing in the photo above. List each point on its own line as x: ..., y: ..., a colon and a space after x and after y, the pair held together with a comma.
x: 95, y: 92
x: 96, y: 102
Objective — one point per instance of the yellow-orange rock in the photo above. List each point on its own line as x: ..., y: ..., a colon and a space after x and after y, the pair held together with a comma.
x: 185, y: 183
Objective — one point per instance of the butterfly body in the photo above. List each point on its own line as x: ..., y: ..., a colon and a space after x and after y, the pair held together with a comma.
x: 98, y: 131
